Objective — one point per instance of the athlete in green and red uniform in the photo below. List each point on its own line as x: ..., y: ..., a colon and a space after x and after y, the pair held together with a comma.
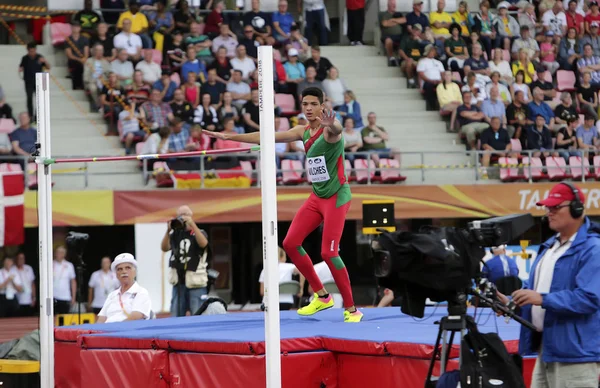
x: 328, y: 203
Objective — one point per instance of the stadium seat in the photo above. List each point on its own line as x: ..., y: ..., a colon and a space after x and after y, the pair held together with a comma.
x: 157, y: 56
x: 566, y: 81
x: 7, y: 126
x: 456, y: 77
x: 294, y: 174
x: 506, y: 55
x: 59, y: 32
x: 287, y: 104
x: 515, y: 145
x: 579, y: 166
x: 348, y: 169
x: 284, y: 124
x: 596, y: 166
x: 247, y: 168
x: 556, y: 168
x: 10, y: 167
x: 390, y: 171
x: 176, y: 78
x: 364, y: 169
x: 509, y: 170
x: 537, y: 172
x: 547, y: 76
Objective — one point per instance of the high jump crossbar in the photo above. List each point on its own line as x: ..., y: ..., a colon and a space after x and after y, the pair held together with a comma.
x: 269, y: 216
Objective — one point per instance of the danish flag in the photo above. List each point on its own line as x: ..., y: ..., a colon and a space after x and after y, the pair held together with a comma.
x: 12, y: 209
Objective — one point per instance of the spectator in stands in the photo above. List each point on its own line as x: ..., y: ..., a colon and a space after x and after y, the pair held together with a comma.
x: 31, y: 64
x: 166, y: 86
x: 456, y: 49
x: 524, y: 64
x: 555, y: 19
x: 286, y: 271
x: 181, y: 108
x: 183, y: 16
x: 282, y: 22
x: 260, y: 24
x: 502, y: 67
x: 539, y: 138
x: 294, y: 71
x: 471, y: 119
x: 477, y: 63
x: 410, y: 52
x: 215, y: 20
x: 391, y: 23
x: 316, y: 20
x: 228, y: 128
x: 175, y: 49
x: 593, y: 38
x: 206, y: 115
x: 548, y: 51
x: 27, y: 296
x: 563, y: 112
x: 520, y: 86
x: 587, y: 96
x: 495, y: 138
x: 588, y: 139
x: 228, y: 110
x: 352, y: 140
x: 138, y: 89
x: 430, y: 72
x: 483, y: 22
x: 351, y: 108
x: 10, y: 286
x: 251, y: 113
x: 129, y: 120
x: 226, y: 39
x: 197, y: 141
x: 440, y: 21
x: 460, y: 17
x: 310, y: 81
x: 94, y: 70
x: 160, y: 23
x: 214, y: 88
x: 449, y: 97
x: 88, y: 19
x: 243, y: 63
x: 5, y: 149
x: 240, y: 91
x: 201, y: 43
x: 249, y: 41
x: 151, y: 71
x: 526, y: 43
x: 130, y: 302
x: 222, y: 65
x: 476, y: 87
x: 23, y: 138
x: 129, y: 41
x: 566, y: 140
x: 539, y: 107
x: 569, y: 50
x: 113, y: 7
x: 517, y: 115
x: 101, y: 37
x: 191, y: 89
x: 193, y: 65
x: 178, y: 140
x: 592, y: 16
x: 139, y: 23
x: 503, y: 91
x: 122, y: 67
x: 589, y: 63
x: 321, y: 64
x: 494, y: 107
x: 156, y: 143
x: 356, y: 22
x: 155, y: 113
x: 547, y: 87
x: 374, y: 138
x: 297, y: 41
x: 111, y: 96
x: 506, y: 26
x: 417, y: 17
x: 64, y: 283
x: 574, y: 18
x: 334, y: 88
x: 101, y: 284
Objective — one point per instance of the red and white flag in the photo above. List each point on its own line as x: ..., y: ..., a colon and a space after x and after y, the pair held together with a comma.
x: 12, y: 208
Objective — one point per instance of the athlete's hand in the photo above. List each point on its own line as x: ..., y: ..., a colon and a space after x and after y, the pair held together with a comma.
x: 327, y: 118
x: 217, y: 135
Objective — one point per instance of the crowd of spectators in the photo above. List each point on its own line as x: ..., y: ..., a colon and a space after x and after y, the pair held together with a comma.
x: 522, y: 75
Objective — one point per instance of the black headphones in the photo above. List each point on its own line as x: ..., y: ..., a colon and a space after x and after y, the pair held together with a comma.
x: 576, y: 207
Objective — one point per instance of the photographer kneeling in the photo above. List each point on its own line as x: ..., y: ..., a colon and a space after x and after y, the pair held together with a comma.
x: 189, y: 252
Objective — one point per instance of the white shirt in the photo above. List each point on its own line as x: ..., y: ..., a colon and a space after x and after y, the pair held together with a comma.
x: 151, y: 71
x: 103, y: 284
x: 313, y: 5
x: 246, y: 66
x: 118, y: 306
x: 227, y: 41
x: 10, y: 291
x: 554, y: 22
x: 130, y: 42
x: 286, y: 270
x: 62, y: 274
x: 544, y: 272
x: 325, y: 276
x: 432, y: 68
x: 26, y: 277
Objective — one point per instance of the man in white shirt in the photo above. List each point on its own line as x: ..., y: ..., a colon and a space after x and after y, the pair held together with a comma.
x: 555, y: 20
x: 243, y: 62
x: 430, y: 72
x: 102, y: 282
x: 226, y: 39
x: 122, y: 67
x: 562, y: 298
x: 64, y: 283
x: 286, y: 271
x: 130, y: 302
x: 129, y: 41
x: 27, y: 296
x: 151, y: 71
x: 10, y: 285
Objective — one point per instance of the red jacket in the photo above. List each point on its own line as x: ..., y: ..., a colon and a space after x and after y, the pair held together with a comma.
x: 213, y: 22
x: 353, y: 5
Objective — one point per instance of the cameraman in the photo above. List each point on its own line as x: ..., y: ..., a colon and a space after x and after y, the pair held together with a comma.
x: 189, y: 251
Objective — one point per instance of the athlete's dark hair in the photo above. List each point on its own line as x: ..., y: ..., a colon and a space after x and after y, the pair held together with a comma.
x: 315, y: 92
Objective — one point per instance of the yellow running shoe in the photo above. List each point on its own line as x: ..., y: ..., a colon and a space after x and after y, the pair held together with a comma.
x: 316, y: 305
x: 352, y: 317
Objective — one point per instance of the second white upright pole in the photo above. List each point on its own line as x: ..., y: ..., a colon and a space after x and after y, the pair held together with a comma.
x: 269, y: 215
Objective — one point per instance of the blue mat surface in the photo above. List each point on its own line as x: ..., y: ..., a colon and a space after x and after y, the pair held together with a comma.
x: 378, y: 325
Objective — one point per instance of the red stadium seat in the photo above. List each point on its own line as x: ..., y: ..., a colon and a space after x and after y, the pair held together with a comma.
x: 566, y: 81
x: 547, y: 76
x: 509, y: 170
x: 348, y: 169
x: 506, y: 55
x: 556, y: 168
x: 247, y: 168
x: 176, y: 78
x: 10, y: 167
x: 59, y: 32
x: 597, y: 166
x: 7, y: 126
x: 537, y: 172
x: 364, y: 169
x: 294, y: 174
x: 287, y: 103
x: 579, y: 166
x: 157, y: 56
x: 284, y: 124
x: 390, y: 171
x: 515, y: 145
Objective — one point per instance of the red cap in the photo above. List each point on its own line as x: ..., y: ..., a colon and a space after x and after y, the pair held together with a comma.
x: 559, y: 194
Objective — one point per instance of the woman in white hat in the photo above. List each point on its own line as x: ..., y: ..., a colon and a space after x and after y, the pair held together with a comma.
x: 130, y: 301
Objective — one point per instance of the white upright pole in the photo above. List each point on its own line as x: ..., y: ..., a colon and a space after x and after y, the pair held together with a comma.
x: 269, y: 214
x: 44, y: 205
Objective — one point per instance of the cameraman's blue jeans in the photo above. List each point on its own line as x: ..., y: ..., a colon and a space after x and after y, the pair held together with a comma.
x: 184, y: 299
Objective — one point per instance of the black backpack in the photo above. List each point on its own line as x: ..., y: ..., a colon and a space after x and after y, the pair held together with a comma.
x: 486, y: 362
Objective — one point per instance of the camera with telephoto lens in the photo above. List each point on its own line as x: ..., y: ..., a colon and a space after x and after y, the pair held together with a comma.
x: 177, y: 223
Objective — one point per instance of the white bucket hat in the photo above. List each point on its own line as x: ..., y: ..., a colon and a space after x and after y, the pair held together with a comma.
x: 123, y: 258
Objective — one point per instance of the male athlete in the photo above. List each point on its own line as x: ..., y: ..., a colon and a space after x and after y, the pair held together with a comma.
x: 328, y: 203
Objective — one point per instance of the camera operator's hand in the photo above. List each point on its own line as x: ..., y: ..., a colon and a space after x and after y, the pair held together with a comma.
x: 168, y: 227
x: 188, y: 220
x: 525, y: 297
x: 502, y: 298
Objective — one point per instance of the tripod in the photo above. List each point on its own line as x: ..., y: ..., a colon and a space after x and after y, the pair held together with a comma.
x: 80, y: 268
x: 449, y: 324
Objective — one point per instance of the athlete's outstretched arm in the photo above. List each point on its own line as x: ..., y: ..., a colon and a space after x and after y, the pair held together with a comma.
x: 254, y: 138
x: 328, y: 121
